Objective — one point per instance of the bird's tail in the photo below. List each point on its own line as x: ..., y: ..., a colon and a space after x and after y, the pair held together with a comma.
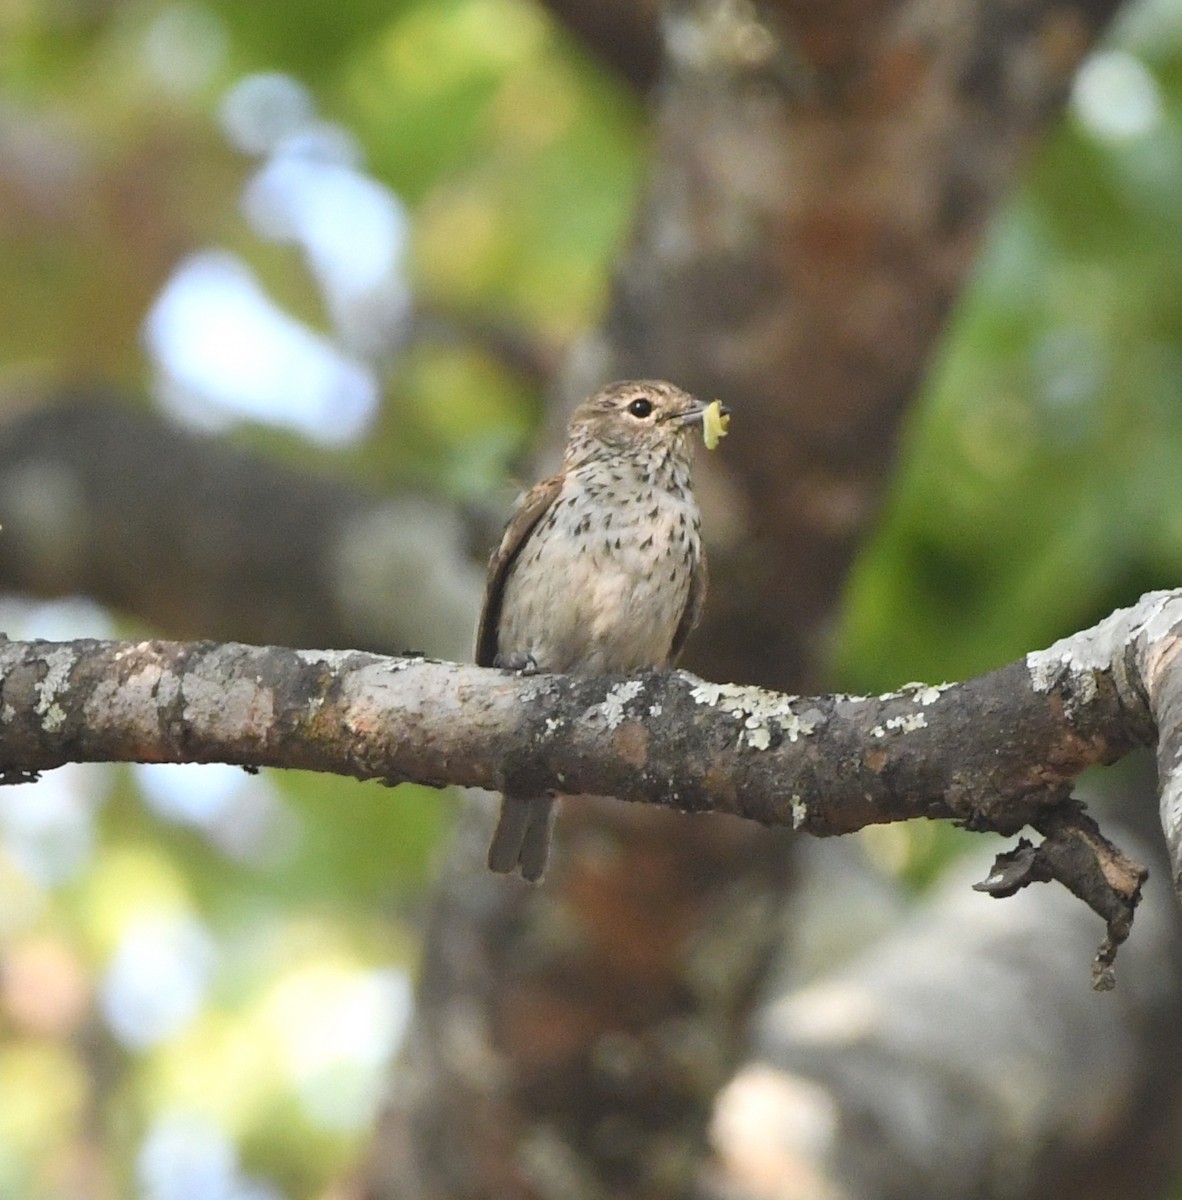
x: 522, y: 837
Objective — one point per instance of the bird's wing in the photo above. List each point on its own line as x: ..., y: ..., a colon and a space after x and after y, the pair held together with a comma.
x: 534, y: 505
x: 693, y: 609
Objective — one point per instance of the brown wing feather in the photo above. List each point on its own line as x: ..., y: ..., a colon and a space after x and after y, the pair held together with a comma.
x: 693, y: 609
x: 534, y: 505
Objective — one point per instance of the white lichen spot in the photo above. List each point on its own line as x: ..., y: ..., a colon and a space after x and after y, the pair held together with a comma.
x: 920, y: 693
x: 763, y: 713
x: 7, y: 713
x: 534, y: 689
x: 800, y: 811
x: 795, y: 727
x: 1163, y: 617
x: 315, y: 658
x: 615, y: 703
x: 905, y: 724
x: 1047, y: 667
x: 133, y: 649
x: 707, y: 693
x: 1099, y: 649
x: 924, y: 693
x: 58, y: 665
x: 553, y: 724
x: 655, y: 710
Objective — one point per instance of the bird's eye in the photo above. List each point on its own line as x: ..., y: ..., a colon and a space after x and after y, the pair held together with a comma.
x: 641, y: 407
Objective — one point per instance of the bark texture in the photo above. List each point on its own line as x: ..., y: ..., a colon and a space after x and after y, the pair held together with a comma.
x: 994, y: 752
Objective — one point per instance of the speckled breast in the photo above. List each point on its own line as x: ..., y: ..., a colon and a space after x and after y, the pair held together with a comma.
x: 603, y: 579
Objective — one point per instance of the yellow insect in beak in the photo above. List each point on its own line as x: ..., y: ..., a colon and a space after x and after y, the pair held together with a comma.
x: 715, y: 420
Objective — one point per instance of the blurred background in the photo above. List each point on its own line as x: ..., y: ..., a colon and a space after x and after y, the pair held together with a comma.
x: 222, y: 213
x: 356, y: 244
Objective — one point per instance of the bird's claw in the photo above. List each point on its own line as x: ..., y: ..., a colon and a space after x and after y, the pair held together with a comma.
x: 520, y: 662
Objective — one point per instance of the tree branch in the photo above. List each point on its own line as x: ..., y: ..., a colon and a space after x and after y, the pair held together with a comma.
x: 998, y: 752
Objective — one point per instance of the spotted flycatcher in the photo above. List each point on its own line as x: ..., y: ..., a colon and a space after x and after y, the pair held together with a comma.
x: 600, y: 569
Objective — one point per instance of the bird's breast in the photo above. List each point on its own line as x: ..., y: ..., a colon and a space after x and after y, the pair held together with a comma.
x: 603, y: 579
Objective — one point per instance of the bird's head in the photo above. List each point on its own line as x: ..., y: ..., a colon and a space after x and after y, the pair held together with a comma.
x: 635, y: 418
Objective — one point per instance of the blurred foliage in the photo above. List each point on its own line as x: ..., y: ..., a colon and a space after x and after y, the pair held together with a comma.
x: 1038, y: 481
x: 1037, y: 490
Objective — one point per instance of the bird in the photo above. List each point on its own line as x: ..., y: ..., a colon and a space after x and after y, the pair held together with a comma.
x: 600, y: 569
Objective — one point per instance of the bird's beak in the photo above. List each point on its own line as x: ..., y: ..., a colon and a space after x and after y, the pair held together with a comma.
x: 690, y: 415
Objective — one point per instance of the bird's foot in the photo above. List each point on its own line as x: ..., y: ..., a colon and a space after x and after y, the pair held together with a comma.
x: 522, y: 663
